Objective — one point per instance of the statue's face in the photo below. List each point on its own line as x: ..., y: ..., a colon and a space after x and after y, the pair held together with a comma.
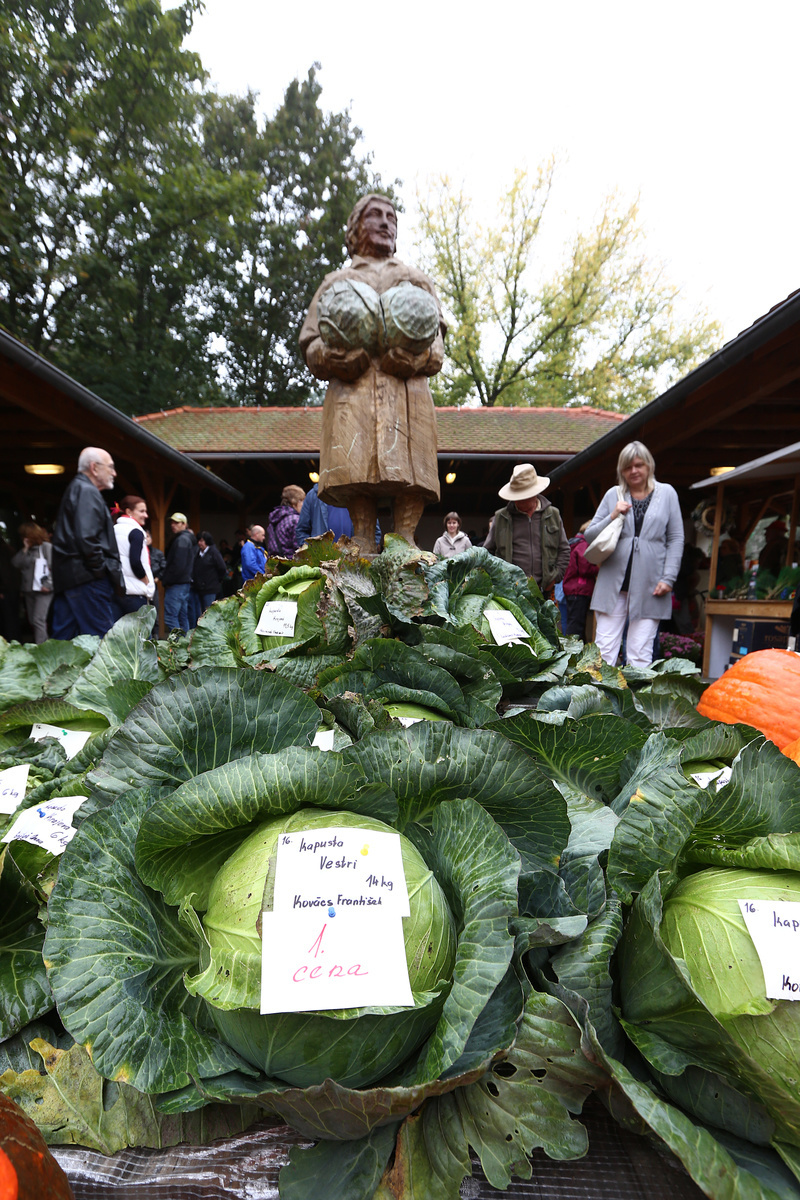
x: 377, y: 230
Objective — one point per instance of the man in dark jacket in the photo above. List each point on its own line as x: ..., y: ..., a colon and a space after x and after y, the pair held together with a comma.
x: 177, y: 577
x: 210, y: 571
x: 529, y: 531
x: 86, y: 566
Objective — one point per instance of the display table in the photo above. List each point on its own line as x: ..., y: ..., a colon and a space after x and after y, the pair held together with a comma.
x: 618, y: 1166
x: 720, y: 618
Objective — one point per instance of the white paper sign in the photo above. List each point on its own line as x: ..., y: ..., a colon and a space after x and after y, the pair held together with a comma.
x: 48, y: 825
x: 313, y: 961
x: 719, y: 778
x: 504, y: 626
x: 774, y: 926
x: 72, y: 740
x: 277, y: 618
x: 340, y: 871
x: 13, y: 783
x: 324, y: 739
x: 408, y: 721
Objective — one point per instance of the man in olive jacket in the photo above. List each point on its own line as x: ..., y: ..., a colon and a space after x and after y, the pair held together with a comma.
x: 86, y: 569
x: 529, y: 531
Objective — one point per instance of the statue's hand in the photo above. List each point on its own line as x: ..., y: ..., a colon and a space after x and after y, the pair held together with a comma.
x: 326, y: 363
x: 403, y: 364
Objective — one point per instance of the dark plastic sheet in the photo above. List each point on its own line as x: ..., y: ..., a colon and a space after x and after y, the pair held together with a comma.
x: 619, y: 1166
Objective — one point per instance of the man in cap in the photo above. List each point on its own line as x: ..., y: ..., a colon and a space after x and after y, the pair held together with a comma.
x: 86, y: 566
x: 177, y: 577
x: 529, y: 531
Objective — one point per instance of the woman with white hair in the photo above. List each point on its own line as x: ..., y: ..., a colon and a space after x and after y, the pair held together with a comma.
x: 634, y: 584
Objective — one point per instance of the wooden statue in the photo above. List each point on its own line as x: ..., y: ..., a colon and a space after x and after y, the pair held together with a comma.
x: 375, y: 332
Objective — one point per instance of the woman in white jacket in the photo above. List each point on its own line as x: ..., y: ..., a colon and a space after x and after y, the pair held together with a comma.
x: 634, y: 584
x: 140, y: 586
x: 452, y: 541
x: 35, y: 565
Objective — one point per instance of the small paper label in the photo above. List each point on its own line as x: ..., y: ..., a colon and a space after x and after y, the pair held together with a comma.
x: 13, y: 783
x: 338, y: 871
x: 324, y: 739
x: 774, y: 926
x: 719, y: 778
x: 407, y: 721
x: 277, y: 618
x: 49, y: 825
x: 72, y: 740
x: 504, y: 626
x: 313, y: 962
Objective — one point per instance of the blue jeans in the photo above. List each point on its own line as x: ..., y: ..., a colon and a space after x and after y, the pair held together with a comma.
x: 176, y: 606
x: 130, y: 604
x: 88, y: 608
x: 207, y: 598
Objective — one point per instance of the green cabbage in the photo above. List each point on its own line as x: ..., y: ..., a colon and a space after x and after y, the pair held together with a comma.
x: 719, y: 1012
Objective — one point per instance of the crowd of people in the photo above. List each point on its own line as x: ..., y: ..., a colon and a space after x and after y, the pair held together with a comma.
x: 100, y: 562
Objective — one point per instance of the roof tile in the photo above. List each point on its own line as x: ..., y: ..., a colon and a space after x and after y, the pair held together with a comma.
x: 521, y: 431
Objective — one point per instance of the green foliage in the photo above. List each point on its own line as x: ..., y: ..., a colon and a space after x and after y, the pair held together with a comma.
x: 156, y: 240
x: 601, y: 330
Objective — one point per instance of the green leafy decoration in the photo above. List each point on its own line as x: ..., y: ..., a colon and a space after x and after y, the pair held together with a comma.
x: 19, y: 676
x: 658, y: 809
x: 73, y: 1105
x: 351, y: 1170
x: 478, y: 870
x: 709, y: 1164
x: 213, y: 640
x: 433, y: 761
x: 199, y: 720
x: 24, y: 990
x: 125, y: 654
x: 585, y: 754
x: 179, y: 842
x: 116, y: 956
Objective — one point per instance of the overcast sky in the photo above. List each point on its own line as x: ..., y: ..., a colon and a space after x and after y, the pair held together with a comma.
x: 693, y: 106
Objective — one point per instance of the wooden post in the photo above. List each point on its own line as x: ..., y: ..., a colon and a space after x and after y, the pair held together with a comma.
x: 712, y: 574
x: 793, y: 521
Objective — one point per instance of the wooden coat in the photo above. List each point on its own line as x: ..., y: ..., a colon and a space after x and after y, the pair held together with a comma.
x: 378, y: 432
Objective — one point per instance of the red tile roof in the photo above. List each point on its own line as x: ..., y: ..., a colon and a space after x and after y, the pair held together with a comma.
x: 519, y: 431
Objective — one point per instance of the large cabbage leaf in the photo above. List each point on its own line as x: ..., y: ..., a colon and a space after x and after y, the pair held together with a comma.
x: 198, y: 720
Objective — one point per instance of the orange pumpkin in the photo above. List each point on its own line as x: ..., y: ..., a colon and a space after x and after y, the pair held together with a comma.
x: 28, y: 1170
x: 793, y: 751
x: 762, y: 689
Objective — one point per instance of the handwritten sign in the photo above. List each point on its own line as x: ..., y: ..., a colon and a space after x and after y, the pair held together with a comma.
x: 719, y: 778
x: 774, y: 926
x: 277, y: 618
x: 72, y: 740
x: 323, y: 740
x: 314, y: 962
x: 48, y: 825
x: 343, y: 870
x: 13, y: 783
x: 504, y: 626
x: 408, y: 721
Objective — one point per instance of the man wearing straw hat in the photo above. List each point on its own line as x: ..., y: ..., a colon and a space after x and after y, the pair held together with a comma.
x: 529, y: 531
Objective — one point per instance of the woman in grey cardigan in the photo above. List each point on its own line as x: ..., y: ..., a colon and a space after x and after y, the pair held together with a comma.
x: 634, y: 584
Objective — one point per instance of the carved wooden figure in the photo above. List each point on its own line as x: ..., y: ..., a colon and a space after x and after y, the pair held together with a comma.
x: 375, y: 331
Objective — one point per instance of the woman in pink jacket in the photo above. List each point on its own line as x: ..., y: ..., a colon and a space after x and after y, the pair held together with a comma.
x: 578, y: 584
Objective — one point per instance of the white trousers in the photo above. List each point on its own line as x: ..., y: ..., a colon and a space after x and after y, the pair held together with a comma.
x: 641, y: 635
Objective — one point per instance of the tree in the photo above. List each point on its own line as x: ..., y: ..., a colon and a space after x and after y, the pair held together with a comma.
x: 601, y: 331
x: 111, y: 216
x: 311, y: 176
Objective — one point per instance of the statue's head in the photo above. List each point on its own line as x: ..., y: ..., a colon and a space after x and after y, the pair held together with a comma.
x: 372, y: 227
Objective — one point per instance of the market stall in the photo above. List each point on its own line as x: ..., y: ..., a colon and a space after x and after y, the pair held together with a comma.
x: 769, y: 485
